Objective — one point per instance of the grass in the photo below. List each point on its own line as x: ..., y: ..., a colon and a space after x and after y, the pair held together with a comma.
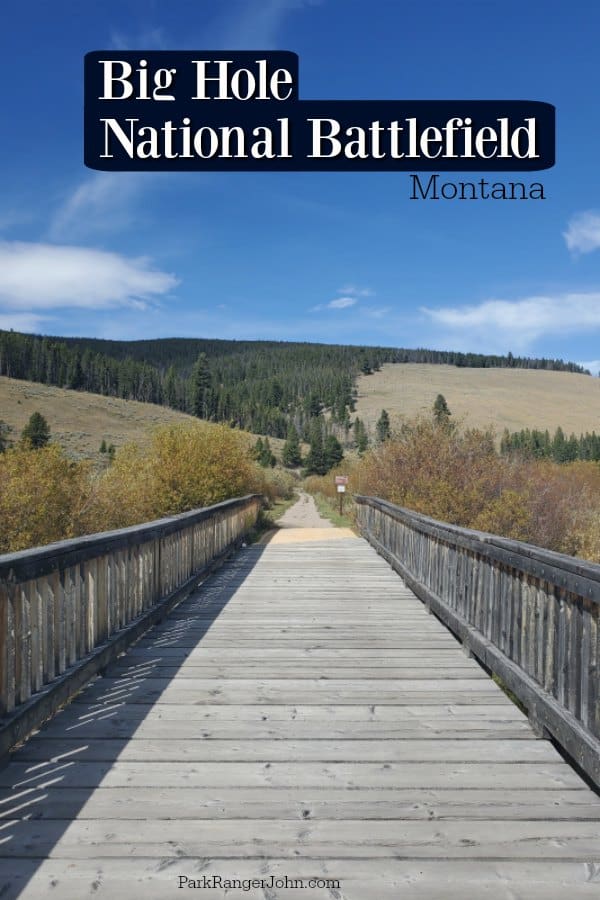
x: 267, y: 519
x: 80, y: 421
x: 503, y: 398
x: 330, y: 511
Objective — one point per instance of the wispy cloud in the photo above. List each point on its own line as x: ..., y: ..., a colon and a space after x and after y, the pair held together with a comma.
x: 342, y: 303
x: 593, y: 366
x: 378, y: 313
x: 23, y: 322
x: 257, y: 24
x: 338, y: 303
x: 46, y: 276
x: 147, y: 38
x: 518, y: 323
x: 583, y: 232
x: 102, y: 203
x: 355, y: 291
x: 349, y: 296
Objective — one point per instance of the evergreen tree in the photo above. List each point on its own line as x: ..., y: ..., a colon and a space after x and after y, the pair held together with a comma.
x: 170, y: 388
x: 263, y: 454
x: 267, y: 457
x: 103, y: 447
x: 559, y: 446
x: 441, y: 412
x: 315, y: 463
x: 360, y: 436
x: 37, y: 431
x: 200, y: 386
x: 111, y: 452
x: 332, y: 451
x: 4, y: 431
x: 292, y: 454
x: 383, y: 426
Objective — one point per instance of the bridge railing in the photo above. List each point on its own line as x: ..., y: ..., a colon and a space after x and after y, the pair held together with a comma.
x: 68, y: 608
x: 531, y: 616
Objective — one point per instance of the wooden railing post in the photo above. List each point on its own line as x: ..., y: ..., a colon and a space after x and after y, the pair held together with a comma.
x: 59, y: 604
x: 530, y: 615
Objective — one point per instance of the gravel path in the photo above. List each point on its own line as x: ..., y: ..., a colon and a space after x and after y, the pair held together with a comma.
x: 303, y: 514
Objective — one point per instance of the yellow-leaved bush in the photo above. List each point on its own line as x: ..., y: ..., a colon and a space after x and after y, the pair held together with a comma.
x: 44, y: 497
x: 185, y: 467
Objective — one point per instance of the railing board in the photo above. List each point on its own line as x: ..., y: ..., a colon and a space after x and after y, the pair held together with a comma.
x: 530, y: 615
x: 59, y: 603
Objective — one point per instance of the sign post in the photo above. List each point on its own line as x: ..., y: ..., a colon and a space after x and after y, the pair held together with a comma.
x: 341, y: 481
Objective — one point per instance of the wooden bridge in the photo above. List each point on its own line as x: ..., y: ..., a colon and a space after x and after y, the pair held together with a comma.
x: 300, y: 724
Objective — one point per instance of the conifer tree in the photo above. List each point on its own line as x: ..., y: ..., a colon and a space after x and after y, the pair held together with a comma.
x: 200, y: 386
x: 332, y: 450
x: 4, y: 432
x: 292, y: 454
x: 37, y: 431
x: 441, y: 412
x: 383, y: 426
x: 360, y: 436
x: 315, y: 462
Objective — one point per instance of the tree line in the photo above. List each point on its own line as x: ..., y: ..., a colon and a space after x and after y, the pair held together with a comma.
x: 538, y: 444
x: 259, y: 386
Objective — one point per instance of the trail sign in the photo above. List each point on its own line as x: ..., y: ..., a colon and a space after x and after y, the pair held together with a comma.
x: 341, y: 481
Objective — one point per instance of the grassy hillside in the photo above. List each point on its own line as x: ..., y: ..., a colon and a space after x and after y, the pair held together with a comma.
x: 80, y: 421
x: 504, y: 398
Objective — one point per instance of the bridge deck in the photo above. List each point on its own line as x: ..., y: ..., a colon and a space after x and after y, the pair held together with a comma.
x: 300, y: 716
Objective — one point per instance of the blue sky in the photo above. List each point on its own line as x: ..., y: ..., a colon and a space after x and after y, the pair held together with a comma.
x: 342, y: 257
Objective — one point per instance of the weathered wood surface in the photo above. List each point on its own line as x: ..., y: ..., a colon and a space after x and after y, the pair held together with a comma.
x: 298, y: 717
x: 70, y: 608
x: 530, y: 615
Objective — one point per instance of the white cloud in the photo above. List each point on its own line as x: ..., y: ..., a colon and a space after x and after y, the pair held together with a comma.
x: 520, y: 322
x: 45, y: 276
x: 147, y: 39
x: 378, y: 312
x: 22, y: 322
x: 349, y: 296
x: 583, y: 232
x: 356, y: 291
x: 342, y: 302
x: 103, y: 202
x: 338, y: 303
x: 593, y: 366
x: 257, y: 27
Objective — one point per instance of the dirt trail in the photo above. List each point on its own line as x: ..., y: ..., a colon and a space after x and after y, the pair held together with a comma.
x: 303, y: 522
x: 303, y: 514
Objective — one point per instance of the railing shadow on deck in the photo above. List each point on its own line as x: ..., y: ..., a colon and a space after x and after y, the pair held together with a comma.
x: 68, y: 609
x: 98, y: 727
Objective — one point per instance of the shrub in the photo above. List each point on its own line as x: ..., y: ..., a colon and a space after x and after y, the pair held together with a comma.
x: 186, y: 466
x: 43, y: 497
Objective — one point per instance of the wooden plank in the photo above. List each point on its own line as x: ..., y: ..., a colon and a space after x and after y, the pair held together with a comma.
x: 222, y: 839
x: 493, y: 776
x: 252, y: 749
x: 293, y: 803
x: 282, y: 878
x: 248, y: 735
